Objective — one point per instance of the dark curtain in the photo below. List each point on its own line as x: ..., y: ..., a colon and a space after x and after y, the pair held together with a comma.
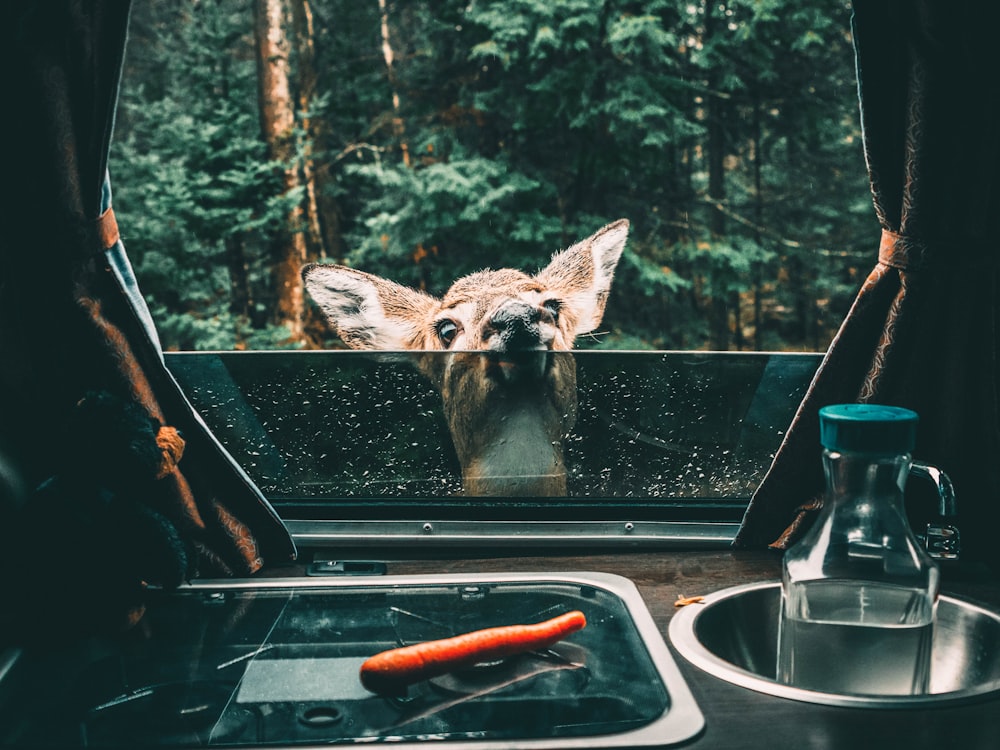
x: 79, y: 360
x: 922, y: 332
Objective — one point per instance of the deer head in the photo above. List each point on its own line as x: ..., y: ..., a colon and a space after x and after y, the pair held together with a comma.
x: 507, y: 385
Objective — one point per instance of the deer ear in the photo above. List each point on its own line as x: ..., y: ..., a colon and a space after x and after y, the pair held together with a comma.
x: 582, y: 274
x: 366, y: 311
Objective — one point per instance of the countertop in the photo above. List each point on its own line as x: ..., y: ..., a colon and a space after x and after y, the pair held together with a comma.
x: 736, y: 717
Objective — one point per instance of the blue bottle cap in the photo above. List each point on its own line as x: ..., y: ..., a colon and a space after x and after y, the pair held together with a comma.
x: 871, y: 428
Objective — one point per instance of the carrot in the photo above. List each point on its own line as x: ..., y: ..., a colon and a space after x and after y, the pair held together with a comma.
x: 390, y: 671
x: 683, y: 601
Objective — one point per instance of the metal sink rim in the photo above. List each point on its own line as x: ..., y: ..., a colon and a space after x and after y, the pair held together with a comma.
x: 683, y: 629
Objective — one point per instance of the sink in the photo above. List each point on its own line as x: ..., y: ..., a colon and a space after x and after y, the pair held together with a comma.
x: 275, y: 661
x: 733, y: 635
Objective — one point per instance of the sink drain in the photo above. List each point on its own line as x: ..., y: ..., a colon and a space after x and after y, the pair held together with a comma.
x: 321, y: 717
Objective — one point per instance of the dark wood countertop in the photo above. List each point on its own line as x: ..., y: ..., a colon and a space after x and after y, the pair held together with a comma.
x: 736, y: 717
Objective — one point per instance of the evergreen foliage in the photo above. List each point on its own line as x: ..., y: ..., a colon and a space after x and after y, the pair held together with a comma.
x: 727, y: 132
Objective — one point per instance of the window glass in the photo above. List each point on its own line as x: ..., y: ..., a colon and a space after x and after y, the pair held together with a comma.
x: 665, y: 435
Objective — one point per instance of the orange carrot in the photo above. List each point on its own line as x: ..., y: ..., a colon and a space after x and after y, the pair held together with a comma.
x: 390, y: 671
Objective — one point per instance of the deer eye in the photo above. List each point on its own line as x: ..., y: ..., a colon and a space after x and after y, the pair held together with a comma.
x: 553, y: 306
x: 446, y: 331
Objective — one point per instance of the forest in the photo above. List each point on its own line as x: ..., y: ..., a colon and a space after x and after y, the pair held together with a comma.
x: 425, y: 139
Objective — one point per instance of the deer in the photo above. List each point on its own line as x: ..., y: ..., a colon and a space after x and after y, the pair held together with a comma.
x: 496, y: 346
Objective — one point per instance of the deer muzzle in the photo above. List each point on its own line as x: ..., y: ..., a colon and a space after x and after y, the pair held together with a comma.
x: 518, y: 337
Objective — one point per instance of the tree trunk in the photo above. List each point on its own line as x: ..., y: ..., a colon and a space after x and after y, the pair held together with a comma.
x: 240, y: 298
x: 735, y: 305
x: 758, y: 196
x: 398, y: 126
x: 717, y: 223
x: 302, y: 27
x: 716, y: 153
x: 323, y: 213
x: 277, y: 119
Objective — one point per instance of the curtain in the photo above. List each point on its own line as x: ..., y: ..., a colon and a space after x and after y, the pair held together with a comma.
x: 922, y: 331
x: 76, y: 338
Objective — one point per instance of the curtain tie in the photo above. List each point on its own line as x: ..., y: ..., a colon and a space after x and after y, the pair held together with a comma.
x: 902, y: 252
x: 107, y: 229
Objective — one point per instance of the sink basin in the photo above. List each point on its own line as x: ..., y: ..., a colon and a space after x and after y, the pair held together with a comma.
x: 275, y: 662
x: 733, y: 635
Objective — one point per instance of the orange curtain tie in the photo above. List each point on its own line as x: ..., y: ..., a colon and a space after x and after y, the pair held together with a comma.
x: 901, y: 252
x: 107, y: 229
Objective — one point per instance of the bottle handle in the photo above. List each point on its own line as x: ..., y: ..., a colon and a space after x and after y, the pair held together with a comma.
x: 941, y: 540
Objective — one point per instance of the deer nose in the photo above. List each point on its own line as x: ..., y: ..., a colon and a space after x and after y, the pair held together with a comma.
x: 515, y: 326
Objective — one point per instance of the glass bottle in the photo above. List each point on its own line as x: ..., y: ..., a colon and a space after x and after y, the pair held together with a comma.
x: 859, y: 592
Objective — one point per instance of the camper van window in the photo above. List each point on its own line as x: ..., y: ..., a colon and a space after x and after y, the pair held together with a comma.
x: 308, y: 196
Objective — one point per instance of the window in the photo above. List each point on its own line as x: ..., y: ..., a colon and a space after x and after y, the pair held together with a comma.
x: 356, y: 437
x: 423, y: 141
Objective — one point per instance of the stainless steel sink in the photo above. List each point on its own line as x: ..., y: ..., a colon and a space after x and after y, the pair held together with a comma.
x: 275, y: 661
x: 733, y: 635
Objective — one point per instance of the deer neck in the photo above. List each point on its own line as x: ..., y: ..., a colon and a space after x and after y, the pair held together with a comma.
x: 521, y: 455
